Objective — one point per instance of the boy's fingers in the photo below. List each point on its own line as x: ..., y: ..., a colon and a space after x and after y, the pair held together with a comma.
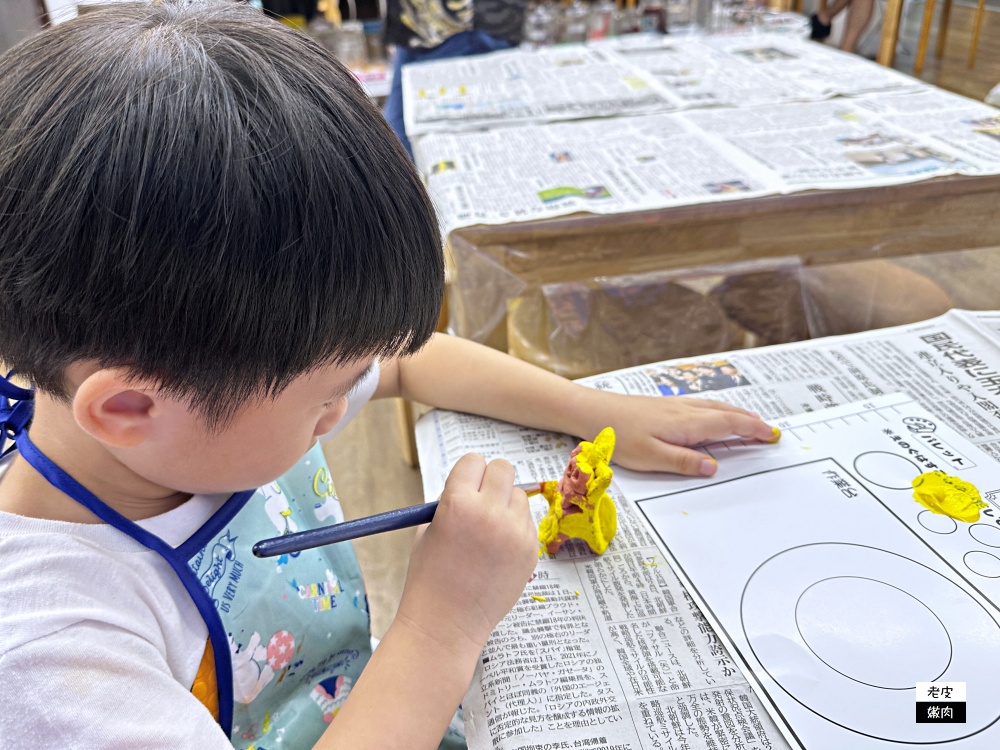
x: 703, y: 403
x: 750, y: 427
x: 498, y: 480
x: 687, y: 461
x: 719, y: 424
x: 467, y: 473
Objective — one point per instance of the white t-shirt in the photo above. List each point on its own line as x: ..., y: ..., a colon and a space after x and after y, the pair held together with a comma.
x: 133, y: 635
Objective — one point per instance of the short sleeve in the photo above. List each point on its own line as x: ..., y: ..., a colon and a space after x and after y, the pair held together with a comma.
x: 94, y: 686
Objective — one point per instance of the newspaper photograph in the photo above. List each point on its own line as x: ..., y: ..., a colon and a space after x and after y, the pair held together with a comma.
x: 612, y: 649
x: 521, y: 85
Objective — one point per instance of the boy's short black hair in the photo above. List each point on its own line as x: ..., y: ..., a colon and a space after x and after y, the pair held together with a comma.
x: 205, y: 197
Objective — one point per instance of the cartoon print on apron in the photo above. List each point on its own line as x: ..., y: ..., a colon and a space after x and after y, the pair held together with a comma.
x: 297, y: 626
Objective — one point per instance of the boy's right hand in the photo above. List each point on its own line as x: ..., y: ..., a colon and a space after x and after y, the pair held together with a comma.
x: 474, y: 560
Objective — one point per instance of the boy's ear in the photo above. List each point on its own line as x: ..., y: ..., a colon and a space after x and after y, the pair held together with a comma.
x: 116, y: 409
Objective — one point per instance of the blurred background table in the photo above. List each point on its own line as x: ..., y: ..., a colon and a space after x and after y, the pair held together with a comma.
x: 817, y: 266
x: 817, y: 197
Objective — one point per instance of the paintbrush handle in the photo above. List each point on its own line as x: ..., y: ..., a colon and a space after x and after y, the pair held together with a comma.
x: 401, y: 518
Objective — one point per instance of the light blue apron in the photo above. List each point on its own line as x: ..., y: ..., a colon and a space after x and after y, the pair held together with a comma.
x: 289, y: 635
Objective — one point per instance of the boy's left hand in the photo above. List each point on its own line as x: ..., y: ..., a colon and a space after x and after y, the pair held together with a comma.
x: 652, y: 432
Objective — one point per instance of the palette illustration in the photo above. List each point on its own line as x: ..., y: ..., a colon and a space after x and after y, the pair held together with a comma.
x: 834, y: 587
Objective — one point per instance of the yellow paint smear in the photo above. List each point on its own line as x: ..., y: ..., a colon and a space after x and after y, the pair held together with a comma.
x: 948, y: 496
x: 539, y: 598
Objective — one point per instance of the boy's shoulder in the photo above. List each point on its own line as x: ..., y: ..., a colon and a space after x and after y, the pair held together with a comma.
x: 56, y: 575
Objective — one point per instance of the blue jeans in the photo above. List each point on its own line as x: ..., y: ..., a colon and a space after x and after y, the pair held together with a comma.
x: 461, y: 45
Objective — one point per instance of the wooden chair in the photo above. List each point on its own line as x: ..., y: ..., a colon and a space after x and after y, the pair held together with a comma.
x: 925, y: 31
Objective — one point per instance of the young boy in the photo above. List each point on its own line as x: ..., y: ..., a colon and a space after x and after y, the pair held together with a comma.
x: 212, y: 248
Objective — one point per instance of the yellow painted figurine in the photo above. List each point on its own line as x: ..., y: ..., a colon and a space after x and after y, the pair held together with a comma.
x: 579, y: 505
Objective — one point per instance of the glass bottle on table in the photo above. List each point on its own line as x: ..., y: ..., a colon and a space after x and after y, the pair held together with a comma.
x: 681, y: 14
x: 601, y: 14
x: 705, y: 14
x: 540, y: 26
x: 653, y: 16
x: 574, y: 22
x: 626, y: 18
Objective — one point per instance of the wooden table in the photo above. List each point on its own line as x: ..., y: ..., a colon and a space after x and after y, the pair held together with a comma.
x: 822, y: 226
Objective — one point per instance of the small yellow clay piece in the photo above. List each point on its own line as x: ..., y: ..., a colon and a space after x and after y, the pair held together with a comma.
x: 539, y: 598
x: 577, y: 593
x: 777, y: 435
x: 579, y: 505
x: 948, y: 496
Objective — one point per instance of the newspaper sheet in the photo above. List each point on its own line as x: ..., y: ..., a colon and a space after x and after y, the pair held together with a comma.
x: 522, y: 85
x: 625, y: 164
x: 834, y: 144
x: 967, y: 126
x: 611, y: 653
x: 823, y: 70
x: 758, y: 69
x: 704, y: 77
x: 601, y: 166
x: 615, y: 651
x: 630, y: 75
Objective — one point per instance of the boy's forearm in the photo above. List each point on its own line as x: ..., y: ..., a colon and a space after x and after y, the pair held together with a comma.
x: 406, y: 695
x: 454, y: 373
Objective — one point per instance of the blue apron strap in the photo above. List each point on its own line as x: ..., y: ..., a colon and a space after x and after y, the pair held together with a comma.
x: 13, y: 421
x: 14, y: 418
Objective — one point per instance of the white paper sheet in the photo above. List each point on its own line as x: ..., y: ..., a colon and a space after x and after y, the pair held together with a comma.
x: 834, y: 587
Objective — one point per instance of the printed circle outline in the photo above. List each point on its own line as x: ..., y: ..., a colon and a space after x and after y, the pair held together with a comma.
x: 969, y: 656
x: 909, y: 486
x: 993, y: 531
x: 951, y: 649
x: 967, y: 555
x: 937, y: 518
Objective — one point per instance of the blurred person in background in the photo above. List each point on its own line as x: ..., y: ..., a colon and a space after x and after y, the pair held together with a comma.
x: 859, y: 13
x: 421, y: 30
